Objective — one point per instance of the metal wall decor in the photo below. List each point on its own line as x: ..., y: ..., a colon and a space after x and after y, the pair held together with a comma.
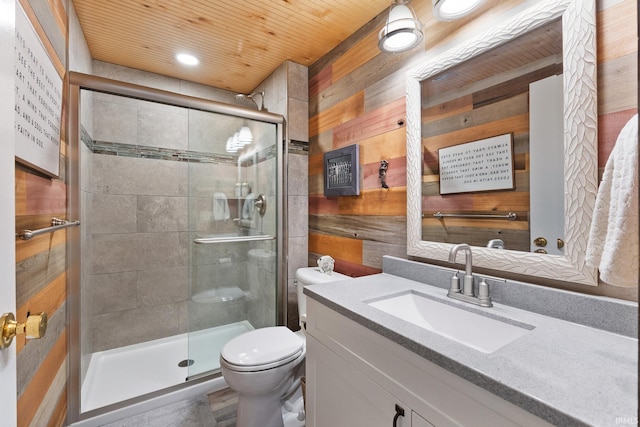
x: 382, y: 173
x: 342, y: 172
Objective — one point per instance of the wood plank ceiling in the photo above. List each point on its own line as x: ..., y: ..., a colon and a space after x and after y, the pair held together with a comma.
x: 238, y: 43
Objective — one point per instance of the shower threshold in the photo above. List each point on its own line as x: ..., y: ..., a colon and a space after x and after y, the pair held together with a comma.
x: 131, y: 371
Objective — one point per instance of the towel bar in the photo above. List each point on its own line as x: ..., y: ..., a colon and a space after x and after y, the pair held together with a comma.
x: 511, y: 216
x: 56, y: 224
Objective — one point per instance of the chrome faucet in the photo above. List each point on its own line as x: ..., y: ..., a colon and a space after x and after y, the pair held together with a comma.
x: 467, y: 293
x: 496, y: 244
x: 468, y: 275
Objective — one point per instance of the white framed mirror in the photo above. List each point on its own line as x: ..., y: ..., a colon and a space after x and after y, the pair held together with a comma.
x: 580, y: 141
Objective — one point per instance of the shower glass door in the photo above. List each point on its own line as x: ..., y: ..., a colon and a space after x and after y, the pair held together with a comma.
x: 233, y: 233
x: 179, y: 248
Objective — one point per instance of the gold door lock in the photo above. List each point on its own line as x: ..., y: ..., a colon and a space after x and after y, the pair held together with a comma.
x: 34, y: 327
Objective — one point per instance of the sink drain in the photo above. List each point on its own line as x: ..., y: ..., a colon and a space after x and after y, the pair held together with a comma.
x: 185, y: 363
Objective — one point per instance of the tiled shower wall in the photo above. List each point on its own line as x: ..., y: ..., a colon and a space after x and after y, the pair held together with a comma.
x: 137, y: 226
x: 127, y: 250
x: 287, y: 93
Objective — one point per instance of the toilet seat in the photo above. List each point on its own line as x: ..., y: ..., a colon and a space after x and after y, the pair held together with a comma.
x: 262, y: 349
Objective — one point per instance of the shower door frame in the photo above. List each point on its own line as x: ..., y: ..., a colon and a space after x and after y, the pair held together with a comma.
x: 79, y: 81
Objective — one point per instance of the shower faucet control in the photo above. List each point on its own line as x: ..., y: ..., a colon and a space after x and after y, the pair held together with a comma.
x: 261, y: 204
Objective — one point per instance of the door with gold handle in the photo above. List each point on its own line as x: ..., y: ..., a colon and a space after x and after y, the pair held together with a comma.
x: 34, y: 327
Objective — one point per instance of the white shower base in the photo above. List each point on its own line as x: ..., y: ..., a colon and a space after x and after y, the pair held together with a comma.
x: 127, y: 372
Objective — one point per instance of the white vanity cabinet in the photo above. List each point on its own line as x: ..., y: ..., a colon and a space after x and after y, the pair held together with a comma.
x: 356, y: 377
x: 342, y: 395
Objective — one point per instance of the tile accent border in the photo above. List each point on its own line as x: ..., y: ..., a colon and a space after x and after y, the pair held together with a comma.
x: 298, y: 147
x: 156, y: 153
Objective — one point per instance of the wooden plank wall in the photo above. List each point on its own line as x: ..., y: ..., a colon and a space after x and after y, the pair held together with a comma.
x: 41, y: 265
x: 617, y: 72
x: 348, y: 107
x: 356, y: 95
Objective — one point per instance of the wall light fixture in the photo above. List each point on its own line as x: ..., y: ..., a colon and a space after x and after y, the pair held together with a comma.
x: 402, y: 31
x: 448, y: 10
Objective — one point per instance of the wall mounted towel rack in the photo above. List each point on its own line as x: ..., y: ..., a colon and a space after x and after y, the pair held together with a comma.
x: 56, y: 224
x: 511, y: 216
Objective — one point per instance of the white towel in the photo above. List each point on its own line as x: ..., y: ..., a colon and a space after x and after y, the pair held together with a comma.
x: 248, y: 207
x: 613, y: 238
x: 220, y: 207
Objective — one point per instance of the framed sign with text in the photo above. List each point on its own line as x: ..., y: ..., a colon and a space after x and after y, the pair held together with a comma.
x: 483, y: 165
x: 38, y: 101
x: 342, y: 172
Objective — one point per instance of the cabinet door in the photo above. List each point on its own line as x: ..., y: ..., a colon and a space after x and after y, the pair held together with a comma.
x: 340, y: 395
x: 418, y: 421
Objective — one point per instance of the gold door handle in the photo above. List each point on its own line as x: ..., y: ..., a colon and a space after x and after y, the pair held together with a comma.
x: 34, y: 327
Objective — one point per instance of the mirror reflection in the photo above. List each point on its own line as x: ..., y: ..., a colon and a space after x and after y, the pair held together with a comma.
x: 579, y: 176
x: 476, y: 191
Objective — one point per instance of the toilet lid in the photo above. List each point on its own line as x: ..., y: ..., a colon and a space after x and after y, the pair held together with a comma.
x: 262, y: 347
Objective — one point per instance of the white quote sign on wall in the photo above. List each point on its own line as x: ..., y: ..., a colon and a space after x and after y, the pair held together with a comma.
x: 484, y: 165
x: 38, y: 101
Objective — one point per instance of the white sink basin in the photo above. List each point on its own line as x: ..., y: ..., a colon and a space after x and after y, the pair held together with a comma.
x: 485, y: 334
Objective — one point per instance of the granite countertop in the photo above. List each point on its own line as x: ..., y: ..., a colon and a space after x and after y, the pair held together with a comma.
x: 563, y: 372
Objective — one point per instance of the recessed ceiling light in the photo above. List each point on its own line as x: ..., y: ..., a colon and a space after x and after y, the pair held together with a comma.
x: 187, y: 59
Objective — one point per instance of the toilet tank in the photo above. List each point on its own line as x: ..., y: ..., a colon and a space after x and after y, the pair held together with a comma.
x: 311, y: 276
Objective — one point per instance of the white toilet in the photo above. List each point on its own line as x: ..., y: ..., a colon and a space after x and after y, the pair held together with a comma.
x: 265, y: 366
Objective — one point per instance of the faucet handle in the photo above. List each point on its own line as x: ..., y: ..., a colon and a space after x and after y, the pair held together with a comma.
x: 455, y: 284
x: 483, y: 294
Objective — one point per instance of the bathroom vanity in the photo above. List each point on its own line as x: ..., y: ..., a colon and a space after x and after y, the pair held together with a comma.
x: 357, y: 377
x: 369, y: 361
